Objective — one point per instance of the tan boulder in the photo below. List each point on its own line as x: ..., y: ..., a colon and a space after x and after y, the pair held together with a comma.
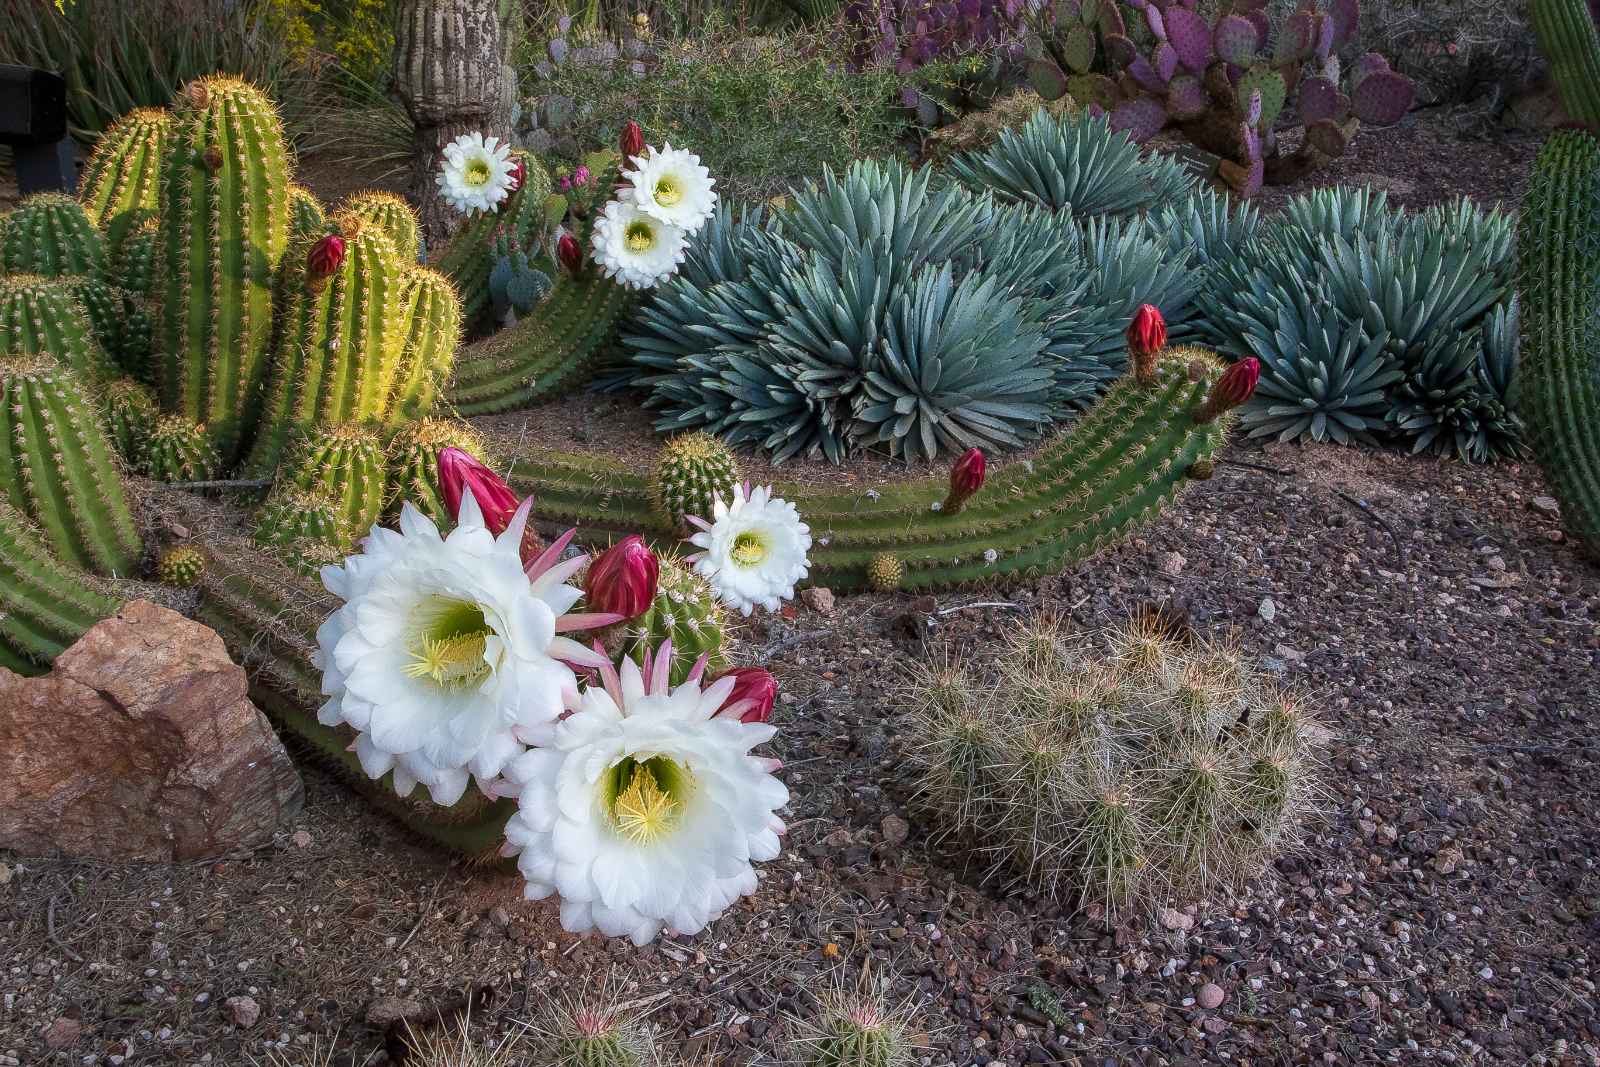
x: 141, y: 744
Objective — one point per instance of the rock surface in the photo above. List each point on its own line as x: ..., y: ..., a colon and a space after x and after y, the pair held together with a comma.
x: 141, y: 744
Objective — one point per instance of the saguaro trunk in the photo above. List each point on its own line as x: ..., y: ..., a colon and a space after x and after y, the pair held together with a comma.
x: 451, y: 74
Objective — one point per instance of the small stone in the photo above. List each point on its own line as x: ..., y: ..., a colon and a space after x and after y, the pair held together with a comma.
x: 1546, y: 505
x: 1213, y: 1025
x: 386, y: 1011
x: 1210, y: 996
x: 1268, y: 610
x: 1370, y: 999
x: 5, y: 874
x: 840, y: 838
x: 301, y: 839
x: 818, y: 598
x: 499, y: 916
x: 243, y: 1012
x: 1172, y: 564
x: 1175, y: 920
x: 63, y: 1034
x: 895, y: 830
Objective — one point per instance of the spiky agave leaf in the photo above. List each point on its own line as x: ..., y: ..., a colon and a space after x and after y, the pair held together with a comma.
x: 1074, y: 164
x: 1321, y: 377
x: 1339, y: 209
x: 1206, y: 226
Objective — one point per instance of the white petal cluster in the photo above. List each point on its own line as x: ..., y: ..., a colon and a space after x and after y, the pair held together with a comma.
x: 672, y: 185
x: 643, y: 234
x: 634, y: 248
x: 645, y: 810
x: 445, y: 651
x: 477, y: 173
x: 754, y: 550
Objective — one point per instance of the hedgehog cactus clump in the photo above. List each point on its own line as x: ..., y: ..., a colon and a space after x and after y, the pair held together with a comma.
x: 591, y: 1032
x: 345, y: 466
x: 694, y: 470
x: 856, y: 1028
x: 291, y: 516
x: 131, y: 412
x: 685, y: 611
x: 181, y: 566
x: 121, y: 184
x: 49, y: 234
x: 1222, y: 78
x: 177, y: 450
x: 1162, y: 765
x: 885, y: 572
x: 57, y: 466
x: 414, y: 464
x: 40, y: 315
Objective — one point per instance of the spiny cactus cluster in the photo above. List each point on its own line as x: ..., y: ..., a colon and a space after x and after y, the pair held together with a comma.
x: 414, y: 463
x: 345, y: 467
x: 181, y: 566
x: 692, y: 472
x: 44, y: 316
x: 1220, y: 76
x: 1156, y: 767
x: 121, y: 185
x: 50, y: 234
x: 684, y: 611
x: 47, y: 604
x: 591, y: 1031
x: 176, y: 450
x: 855, y: 1027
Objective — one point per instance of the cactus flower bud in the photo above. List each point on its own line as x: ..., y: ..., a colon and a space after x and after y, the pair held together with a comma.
x: 632, y: 141
x: 569, y: 253
x: 580, y: 177
x: 754, y: 692
x: 966, y: 478
x: 1147, y: 336
x: 1237, y: 384
x: 459, y: 471
x: 519, y: 174
x: 622, y: 579
x: 325, y: 258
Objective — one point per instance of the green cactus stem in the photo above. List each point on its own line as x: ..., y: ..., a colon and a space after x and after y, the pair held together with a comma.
x: 693, y: 470
x: 431, y: 316
x: 340, y: 343
x: 177, y: 450
x: 181, y: 566
x: 121, y: 185
x: 47, y: 604
x: 1570, y: 39
x: 131, y: 413
x: 345, y: 466
x: 686, y: 612
x: 1559, y: 242
x: 224, y: 228
x: 49, y: 234
x: 57, y: 467
x: 41, y: 315
x: 414, y: 463
x: 392, y: 216
x: 292, y: 515
x: 469, y: 257
x: 307, y: 220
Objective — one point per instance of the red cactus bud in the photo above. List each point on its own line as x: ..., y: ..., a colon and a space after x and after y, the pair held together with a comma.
x: 1237, y: 384
x: 622, y: 579
x: 754, y: 692
x: 459, y: 471
x: 519, y: 174
x: 632, y: 141
x: 966, y: 478
x: 1147, y: 336
x: 325, y: 257
x: 569, y: 253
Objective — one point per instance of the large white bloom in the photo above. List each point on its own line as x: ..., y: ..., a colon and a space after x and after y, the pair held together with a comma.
x: 672, y: 186
x: 754, y: 550
x: 446, y: 649
x: 644, y: 808
x: 477, y: 174
x: 636, y: 249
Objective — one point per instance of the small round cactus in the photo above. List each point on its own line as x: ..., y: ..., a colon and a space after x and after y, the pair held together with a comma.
x: 177, y: 450
x: 131, y: 411
x: 414, y: 463
x: 885, y: 572
x: 293, y: 515
x: 856, y: 1028
x: 345, y: 466
x: 181, y: 566
x: 693, y: 471
x: 591, y: 1033
x: 685, y: 611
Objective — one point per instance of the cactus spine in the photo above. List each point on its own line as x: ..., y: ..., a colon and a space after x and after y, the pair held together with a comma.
x: 135, y: 266
x: 43, y: 316
x: 121, y: 184
x: 1570, y: 39
x: 307, y: 220
x: 343, y: 465
x: 414, y: 463
x: 885, y: 573
x: 431, y: 315
x: 131, y: 412
x: 1559, y: 241
x: 181, y: 566
x: 224, y: 227
x: 56, y: 467
x: 339, y: 344
x: 693, y: 471
x: 47, y: 604
x: 393, y: 218
x: 50, y: 235
x: 177, y: 450
x: 685, y: 611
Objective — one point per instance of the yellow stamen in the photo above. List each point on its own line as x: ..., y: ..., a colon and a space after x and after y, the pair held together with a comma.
x: 668, y: 192
x: 450, y: 661
x: 644, y: 811
x: 477, y: 172
x: 640, y: 237
x: 749, y: 549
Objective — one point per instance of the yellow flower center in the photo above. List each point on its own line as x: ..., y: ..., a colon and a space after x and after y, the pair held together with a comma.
x: 476, y: 172
x: 668, y: 191
x: 749, y: 549
x: 645, y: 800
x: 449, y: 643
x: 639, y: 236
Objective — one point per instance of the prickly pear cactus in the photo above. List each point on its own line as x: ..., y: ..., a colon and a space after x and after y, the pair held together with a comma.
x: 693, y: 471
x: 49, y: 234
x: 121, y: 185
x: 58, y: 469
x: 224, y: 227
x: 41, y: 315
x: 177, y: 450
x: 686, y: 612
x: 414, y: 463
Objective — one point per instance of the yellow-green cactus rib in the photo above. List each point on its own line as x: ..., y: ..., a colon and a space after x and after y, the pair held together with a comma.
x: 56, y: 467
x: 177, y: 450
x: 339, y: 347
x: 431, y: 317
x: 414, y: 463
x: 121, y: 185
x: 41, y: 315
x: 1559, y: 242
x: 551, y: 349
x: 343, y: 465
x: 291, y: 516
x: 224, y: 228
x: 1571, y: 40
x: 49, y: 234
x: 307, y: 221
x: 392, y: 216
x: 131, y: 413
x: 268, y: 617
x: 1085, y: 490
x: 684, y: 611
x: 45, y: 605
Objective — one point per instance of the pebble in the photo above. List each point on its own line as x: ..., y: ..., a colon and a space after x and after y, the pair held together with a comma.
x: 1268, y: 610
x: 63, y: 1033
x: 301, y: 839
x: 1210, y: 996
x: 1173, y: 919
x: 818, y: 598
x: 242, y: 1011
x: 1546, y: 505
x: 1172, y: 564
x: 5, y: 874
x: 895, y: 830
x: 385, y: 1011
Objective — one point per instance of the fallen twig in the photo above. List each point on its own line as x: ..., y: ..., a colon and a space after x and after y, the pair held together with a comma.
x: 240, y: 485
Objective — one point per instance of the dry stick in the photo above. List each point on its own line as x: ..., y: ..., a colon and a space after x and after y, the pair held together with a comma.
x: 241, y: 485
x: 50, y: 928
x: 423, y: 917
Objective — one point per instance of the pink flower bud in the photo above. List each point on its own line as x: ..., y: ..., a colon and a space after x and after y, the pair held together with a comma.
x: 1237, y: 384
x: 459, y: 471
x: 565, y: 184
x: 519, y: 174
x: 632, y: 141
x: 325, y: 258
x: 966, y: 478
x: 569, y: 253
x: 580, y: 176
x: 622, y: 579
x: 1147, y: 336
x: 754, y: 692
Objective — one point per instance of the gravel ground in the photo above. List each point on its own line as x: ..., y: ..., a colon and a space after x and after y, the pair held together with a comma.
x: 1445, y: 906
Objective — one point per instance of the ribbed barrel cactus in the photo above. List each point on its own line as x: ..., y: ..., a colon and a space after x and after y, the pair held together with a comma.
x: 414, y: 463
x: 48, y: 604
x: 430, y: 315
x: 50, y: 234
x: 393, y: 218
x: 345, y: 466
x: 121, y: 185
x: 44, y: 315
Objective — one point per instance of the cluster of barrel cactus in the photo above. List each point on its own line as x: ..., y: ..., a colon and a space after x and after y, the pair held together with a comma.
x: 1221, y: 76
